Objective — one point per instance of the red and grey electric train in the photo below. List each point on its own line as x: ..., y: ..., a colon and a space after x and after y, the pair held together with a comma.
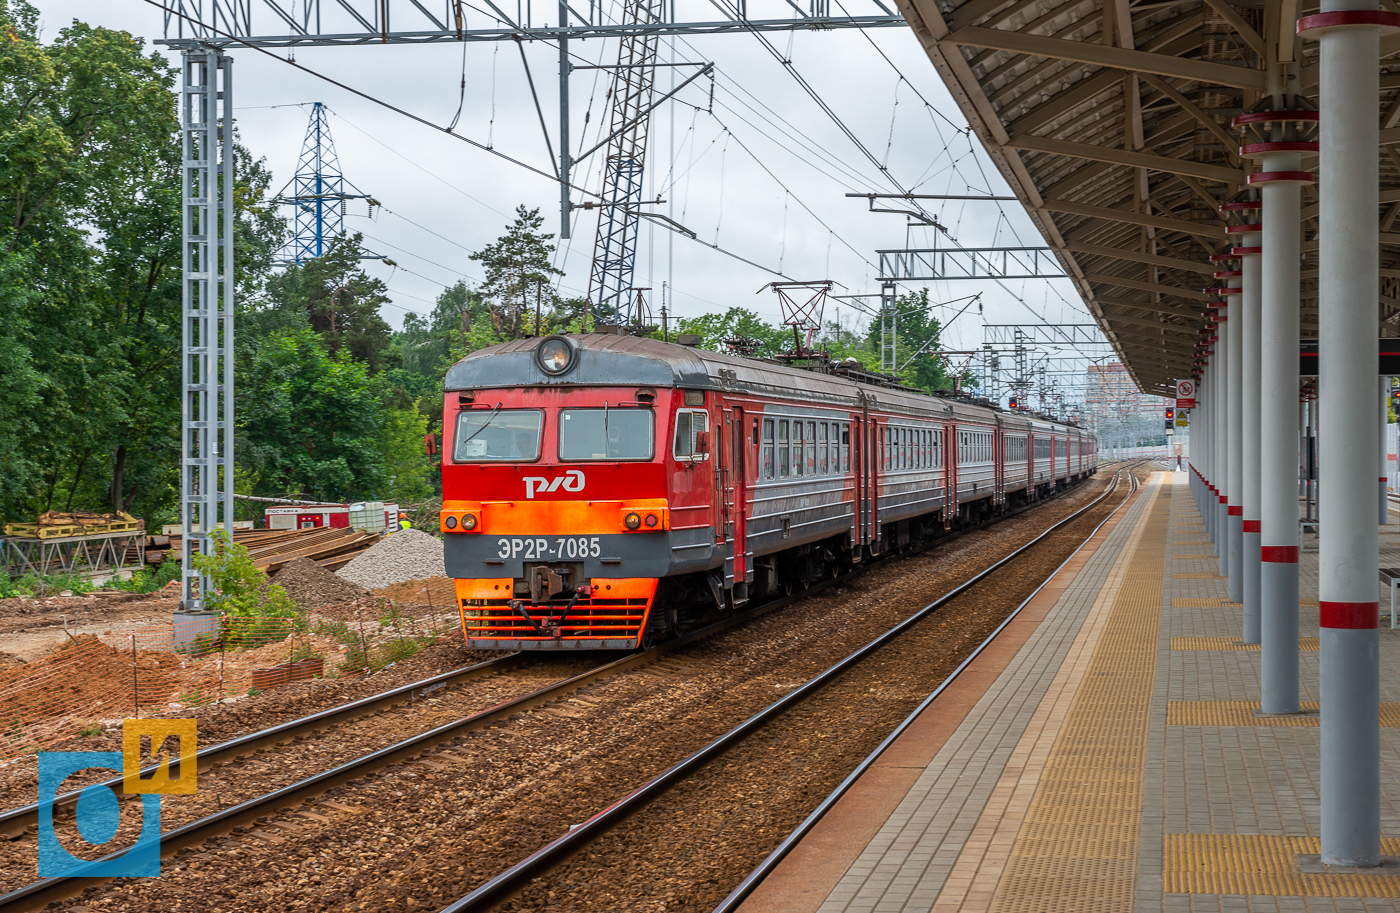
x: 604, y: 492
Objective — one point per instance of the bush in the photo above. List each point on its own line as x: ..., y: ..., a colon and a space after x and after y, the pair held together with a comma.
x: 148, y: 580
x: 237, y: 587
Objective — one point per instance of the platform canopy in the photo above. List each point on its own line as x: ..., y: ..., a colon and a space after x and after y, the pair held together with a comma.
x: 1112, y: 123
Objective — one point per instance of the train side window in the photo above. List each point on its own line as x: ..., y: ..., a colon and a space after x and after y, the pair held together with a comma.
x: 811, y: 448
x: 690, y: 424
x: 822, y: 441
x: 797, y: 465
x: 783, y: 464
x: 845, y: 447
x: 767, y: 455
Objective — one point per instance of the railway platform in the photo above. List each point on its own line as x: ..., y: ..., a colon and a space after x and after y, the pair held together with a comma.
x: 1105, y: 754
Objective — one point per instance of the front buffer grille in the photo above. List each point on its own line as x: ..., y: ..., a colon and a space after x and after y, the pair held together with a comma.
x: 593, y: 623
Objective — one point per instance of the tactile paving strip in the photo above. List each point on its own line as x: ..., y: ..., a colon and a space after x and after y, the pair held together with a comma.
x: 1077, y: 848
x: 1306, y: 644
x: 1195, y: 576
x: 1194, y: 557
x: 1200, y: 603
x: 1267, y: 865
x: 1241, y: 713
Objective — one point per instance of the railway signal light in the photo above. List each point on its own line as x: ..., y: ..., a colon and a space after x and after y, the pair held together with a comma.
x: 1171, y: 414
x: 1013, y: 402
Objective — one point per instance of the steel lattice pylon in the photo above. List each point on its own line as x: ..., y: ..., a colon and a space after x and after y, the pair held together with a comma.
x: 206, y: 217
x: 615, y: 250
x: 317, y: 193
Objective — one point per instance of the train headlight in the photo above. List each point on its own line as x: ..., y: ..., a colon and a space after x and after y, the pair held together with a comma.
x: 555, y: 355
x: 450, y: 522
x: 632, y: 521
x: 468, y: 521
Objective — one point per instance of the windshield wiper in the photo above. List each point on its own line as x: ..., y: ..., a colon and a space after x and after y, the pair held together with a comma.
x: 493, y: 414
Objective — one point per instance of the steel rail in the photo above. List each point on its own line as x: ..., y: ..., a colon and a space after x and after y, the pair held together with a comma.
x: 41, y: 893
x: 17, y: 820
x: 514, y: 878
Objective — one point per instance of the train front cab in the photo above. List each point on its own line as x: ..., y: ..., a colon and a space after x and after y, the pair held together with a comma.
x: 564, y: 507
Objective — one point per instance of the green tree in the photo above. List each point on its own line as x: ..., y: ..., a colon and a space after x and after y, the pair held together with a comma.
x: 311, y: 423
x: 338, y: 300
x: 760, y: 339
x: 518, y: 275
x: 89, y: 180
x: 407, y: 467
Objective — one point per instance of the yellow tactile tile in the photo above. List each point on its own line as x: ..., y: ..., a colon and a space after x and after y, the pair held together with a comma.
x: 1267, y: 865
x: 1241, y: 713
x: 972, y: 884
x: 1077, y: 846
x: 1307, y: 644
x: 1200, y: 603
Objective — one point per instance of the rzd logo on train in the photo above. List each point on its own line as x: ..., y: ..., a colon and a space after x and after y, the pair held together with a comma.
x: 569, y: 481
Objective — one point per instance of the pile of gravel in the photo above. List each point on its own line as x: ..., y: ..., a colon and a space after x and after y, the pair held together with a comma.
x: 313, y: 587
x: 405, y: 555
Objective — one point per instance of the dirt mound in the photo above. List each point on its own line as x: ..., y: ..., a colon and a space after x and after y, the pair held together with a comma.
x: 312, y: 586
x: 436, y: 591
x: 406, y: 555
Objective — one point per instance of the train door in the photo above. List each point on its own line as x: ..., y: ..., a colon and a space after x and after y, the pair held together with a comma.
x: 952, y: 454
x: 875, y: 460
x: 998, y: 464
x: 858, y: 473
x: 736, y: 545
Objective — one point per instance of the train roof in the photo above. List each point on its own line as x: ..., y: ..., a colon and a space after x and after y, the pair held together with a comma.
x: 612, y: 360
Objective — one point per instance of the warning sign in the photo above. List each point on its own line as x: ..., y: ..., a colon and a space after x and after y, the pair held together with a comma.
x: 1186, y: 394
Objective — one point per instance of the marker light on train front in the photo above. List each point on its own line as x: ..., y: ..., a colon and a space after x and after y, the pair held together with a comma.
x: 460, y: 519
x: 645, y: 516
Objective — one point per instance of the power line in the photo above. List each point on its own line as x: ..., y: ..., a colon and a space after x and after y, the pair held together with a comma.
x: 365, y: 95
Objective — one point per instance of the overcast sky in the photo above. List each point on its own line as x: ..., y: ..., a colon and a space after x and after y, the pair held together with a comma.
x: 761, y: 172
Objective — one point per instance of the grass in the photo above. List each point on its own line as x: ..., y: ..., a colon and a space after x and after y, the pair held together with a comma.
x: 43, y: 586
x: 148, y: 580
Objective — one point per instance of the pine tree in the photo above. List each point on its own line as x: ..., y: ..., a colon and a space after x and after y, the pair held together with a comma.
x: 518, y: 275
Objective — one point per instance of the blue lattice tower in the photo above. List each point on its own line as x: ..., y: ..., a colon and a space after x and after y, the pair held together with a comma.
x: 615, y: 251
x: 317, y: 194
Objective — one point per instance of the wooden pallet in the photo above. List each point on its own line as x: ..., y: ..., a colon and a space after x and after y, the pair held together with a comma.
x: 38, y: 531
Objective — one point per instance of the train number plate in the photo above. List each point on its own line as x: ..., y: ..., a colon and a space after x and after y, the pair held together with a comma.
x: 557, y: 548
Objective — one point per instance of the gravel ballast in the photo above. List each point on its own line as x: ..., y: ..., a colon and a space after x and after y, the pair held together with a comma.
x: 406, y: 555
x: 313, y: 587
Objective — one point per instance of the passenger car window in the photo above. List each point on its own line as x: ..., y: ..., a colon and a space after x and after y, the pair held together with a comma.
x: 490, y: 435
x: 605, y: 434
x: 767, y: 455
x: 783, y: 464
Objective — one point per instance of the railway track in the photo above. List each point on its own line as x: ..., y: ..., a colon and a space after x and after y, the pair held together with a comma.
x: 511, y: 881
x: 248, y: 813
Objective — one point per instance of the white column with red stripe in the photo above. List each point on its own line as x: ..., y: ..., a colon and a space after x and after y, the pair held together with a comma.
x: 1280, y: 138
x: 1348, y: 33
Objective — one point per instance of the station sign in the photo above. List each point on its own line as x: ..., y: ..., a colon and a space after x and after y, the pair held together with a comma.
x: 1186, y: 394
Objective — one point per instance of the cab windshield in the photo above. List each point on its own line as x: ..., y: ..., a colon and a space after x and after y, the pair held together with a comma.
x: 485, y: 435
x: 605, y: 434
